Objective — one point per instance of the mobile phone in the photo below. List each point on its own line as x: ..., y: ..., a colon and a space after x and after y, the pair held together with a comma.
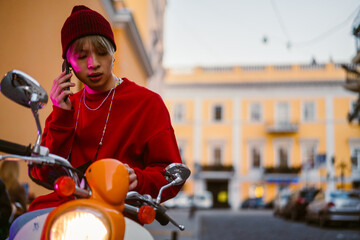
x: 66, y: 67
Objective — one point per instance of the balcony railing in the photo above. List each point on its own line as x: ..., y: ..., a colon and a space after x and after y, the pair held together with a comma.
x: 282, y: 127
x: 352, y: 82
x: 282, y: 170
x: 215, y: 171
x: 217, y: 168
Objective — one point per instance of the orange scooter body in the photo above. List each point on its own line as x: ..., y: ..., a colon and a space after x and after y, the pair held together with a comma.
x: 109, y: 183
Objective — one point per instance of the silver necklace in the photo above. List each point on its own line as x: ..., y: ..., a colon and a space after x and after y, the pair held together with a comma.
x: 94, y: 109
x: 119, y: 80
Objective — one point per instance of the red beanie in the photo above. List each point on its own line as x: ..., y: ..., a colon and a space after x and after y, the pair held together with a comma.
x: 83, y: 22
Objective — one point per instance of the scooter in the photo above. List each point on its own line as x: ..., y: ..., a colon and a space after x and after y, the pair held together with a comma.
x: 100, y: 209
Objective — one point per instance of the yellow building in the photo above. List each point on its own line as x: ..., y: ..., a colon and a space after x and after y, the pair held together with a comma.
x: 249, y: 131
x: 30, y: 42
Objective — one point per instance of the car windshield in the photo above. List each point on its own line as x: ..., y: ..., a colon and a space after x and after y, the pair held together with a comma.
x: 308, y: 194
x: 345, y: 195
x: 285, y: 197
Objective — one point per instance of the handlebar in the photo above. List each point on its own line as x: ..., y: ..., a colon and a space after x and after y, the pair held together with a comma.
x: 43, y: 157
x: 19, y: 152
x: 14, y: 148
x: 161, y: 216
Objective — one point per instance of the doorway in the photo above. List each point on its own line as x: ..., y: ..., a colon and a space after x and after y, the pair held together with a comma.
x: 220, y: 192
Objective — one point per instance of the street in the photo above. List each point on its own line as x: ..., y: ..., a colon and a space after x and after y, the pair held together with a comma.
x: 248, y: 224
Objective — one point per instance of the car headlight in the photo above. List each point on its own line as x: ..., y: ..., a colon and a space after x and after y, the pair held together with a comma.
x: 80, y: 223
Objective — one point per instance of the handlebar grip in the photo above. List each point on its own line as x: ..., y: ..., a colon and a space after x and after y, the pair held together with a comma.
x: 161, y: 216
x: 163, y: 219
x: 14, y: 148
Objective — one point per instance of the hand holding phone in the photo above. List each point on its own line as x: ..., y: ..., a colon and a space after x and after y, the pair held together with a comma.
x: 66, y: 68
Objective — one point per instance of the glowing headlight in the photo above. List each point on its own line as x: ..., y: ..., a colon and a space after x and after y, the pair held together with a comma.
x: 80, y: 223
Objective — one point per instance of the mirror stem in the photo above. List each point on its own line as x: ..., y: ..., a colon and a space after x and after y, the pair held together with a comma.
x: 34, y: 109
x: 158, y: 199
x: 176, y: 181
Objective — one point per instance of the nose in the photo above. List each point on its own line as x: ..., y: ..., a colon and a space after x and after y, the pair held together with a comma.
x: 92, y: 61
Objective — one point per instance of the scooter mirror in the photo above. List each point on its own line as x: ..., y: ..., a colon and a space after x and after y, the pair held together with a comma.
x: 23, y: 89
x: 177, y: 171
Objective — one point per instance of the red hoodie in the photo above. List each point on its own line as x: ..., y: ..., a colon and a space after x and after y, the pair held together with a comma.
x: 138, y: 133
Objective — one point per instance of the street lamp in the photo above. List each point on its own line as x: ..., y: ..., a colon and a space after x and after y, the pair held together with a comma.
x: 342, y: 167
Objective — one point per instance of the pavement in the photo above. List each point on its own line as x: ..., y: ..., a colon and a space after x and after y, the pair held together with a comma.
x: 170, y: 232
x: 191, y: 220
x: 215, y: 224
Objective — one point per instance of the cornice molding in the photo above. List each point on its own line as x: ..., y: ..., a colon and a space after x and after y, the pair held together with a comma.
x: 254, y: 84
x: 124, y: 19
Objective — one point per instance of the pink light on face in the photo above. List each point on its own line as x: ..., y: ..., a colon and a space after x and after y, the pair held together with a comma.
x: 74, y: 64
x: 92, y: 60
x: 92, y: 66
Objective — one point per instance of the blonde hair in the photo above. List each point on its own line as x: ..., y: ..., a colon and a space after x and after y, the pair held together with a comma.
x: 9, y: 173
x: 100, y: 43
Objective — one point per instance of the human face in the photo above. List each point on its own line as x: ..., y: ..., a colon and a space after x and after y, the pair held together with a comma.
x: 93, y: 66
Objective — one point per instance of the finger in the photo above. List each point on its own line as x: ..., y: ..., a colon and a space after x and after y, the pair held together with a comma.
x: 132, y: 177
x: 65, y: 93
x: 62, y: 89
x: 57, y: 81
x: 130, y: 170
x: 59, y: 78
x: 58, y: 93
x: 133, y: 185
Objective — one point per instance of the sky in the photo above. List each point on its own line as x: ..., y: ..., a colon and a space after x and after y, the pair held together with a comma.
x: 256, y: 32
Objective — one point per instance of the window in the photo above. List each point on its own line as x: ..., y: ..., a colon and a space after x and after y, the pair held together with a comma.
x: 216, y: 152
x: 217, y: 155
x: 283, y: 157
x: 355, y: 153
x: 355, y: 157
x: 255, y: 112
x: 217, y: 113
x: 179, y: 112
x: 282, y: 150
x: 282, y: 113
x: 353, y: 107
x: 255, y: 149
x: 308, y: 154
x: 309, y: 111
x: 255, y: 157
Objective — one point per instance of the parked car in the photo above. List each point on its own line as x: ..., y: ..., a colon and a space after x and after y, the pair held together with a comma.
x: 330, y: 206
x: 280, y: 202
x: 255, y: 203
x: 181, y: 200
x: 295, y: 208
x: 203, y: 200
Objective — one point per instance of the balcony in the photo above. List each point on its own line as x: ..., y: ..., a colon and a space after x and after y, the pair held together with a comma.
x: 216, y: 171
x: 281, y: 175
x: 352, y: 82
x: 282, y: 127
x: 282, y: 170
x: 217, y: 167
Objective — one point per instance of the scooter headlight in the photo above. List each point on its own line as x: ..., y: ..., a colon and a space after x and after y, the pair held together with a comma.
x: 80, y: 223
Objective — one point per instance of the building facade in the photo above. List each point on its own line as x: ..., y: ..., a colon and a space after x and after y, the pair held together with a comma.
x: 249, y: 131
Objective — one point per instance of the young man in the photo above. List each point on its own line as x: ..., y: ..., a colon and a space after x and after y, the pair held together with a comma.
x: 111, y: 117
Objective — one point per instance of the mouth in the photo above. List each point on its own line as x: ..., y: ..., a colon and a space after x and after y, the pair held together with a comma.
x: 95, y: 76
